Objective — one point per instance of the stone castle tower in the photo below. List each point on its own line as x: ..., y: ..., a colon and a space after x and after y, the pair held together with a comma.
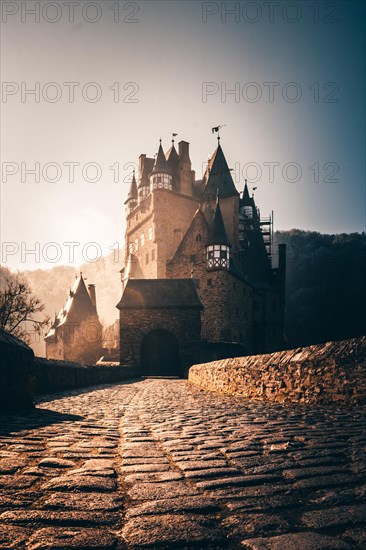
x: 76, y: 333
x: 198, y: 281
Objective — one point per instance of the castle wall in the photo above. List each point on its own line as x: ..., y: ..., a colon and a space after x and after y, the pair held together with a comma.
x: 323, y: 373
x: 80, y: 342
x: 167, y: 216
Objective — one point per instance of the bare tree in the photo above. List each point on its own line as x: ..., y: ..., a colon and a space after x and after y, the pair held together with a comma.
x: 18, y: 306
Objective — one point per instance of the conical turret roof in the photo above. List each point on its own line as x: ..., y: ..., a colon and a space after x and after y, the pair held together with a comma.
x: 246, y: 199
x: 161, y: 164
x: 217, y: 233
x: 218, y: 176
x: 132, y: 193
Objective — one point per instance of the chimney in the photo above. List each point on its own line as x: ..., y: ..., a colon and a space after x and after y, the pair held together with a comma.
x: 184, y: 169
x: 183, y: 148
x: 141, y: 166
x: 91, y: 290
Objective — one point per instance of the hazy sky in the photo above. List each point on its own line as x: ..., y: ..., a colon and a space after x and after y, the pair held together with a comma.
x: 295, y: 117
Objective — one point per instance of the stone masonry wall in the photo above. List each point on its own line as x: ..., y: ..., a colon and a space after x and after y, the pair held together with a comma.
x: 324, y: 373
x: 51, y: 376
x: 184, y: 324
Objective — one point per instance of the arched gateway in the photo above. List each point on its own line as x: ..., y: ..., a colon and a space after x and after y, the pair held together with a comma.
x: 160, y: 354
x: 160, y: 326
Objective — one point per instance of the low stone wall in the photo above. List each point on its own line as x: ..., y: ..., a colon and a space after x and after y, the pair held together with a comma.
x: 324, y: 373
x: 50, y: 376
x: 16, y: 361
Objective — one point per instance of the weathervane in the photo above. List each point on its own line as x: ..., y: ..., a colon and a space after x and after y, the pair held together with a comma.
x: 173, y: 136
x: 217, y: 129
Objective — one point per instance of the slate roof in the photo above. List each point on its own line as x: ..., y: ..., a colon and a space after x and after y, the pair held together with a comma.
x: 160, y: 293
x: 218, y: 176
x: 247, y: 200
x: 161, y: 164
x: 217, y: 233
x: 77, y: 308
x: 132, y: 193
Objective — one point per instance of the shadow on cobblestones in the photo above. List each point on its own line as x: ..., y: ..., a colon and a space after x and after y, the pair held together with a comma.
x: 163, y: 464
x: 37, y: 418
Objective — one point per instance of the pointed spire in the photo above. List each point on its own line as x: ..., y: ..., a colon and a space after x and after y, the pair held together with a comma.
x: 217, y: 234
x: 132, y: 193
x: 246, y: 196
x: 218, y: 176
x: 161, y: 164
x: 246, y: 199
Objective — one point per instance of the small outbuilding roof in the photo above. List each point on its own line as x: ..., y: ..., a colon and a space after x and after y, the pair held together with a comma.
x: 160, y: 293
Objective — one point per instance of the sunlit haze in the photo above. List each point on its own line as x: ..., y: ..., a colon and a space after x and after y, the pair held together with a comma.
x: 286, y: 83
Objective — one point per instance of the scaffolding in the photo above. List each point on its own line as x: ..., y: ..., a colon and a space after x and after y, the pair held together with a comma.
x: 266, y: 226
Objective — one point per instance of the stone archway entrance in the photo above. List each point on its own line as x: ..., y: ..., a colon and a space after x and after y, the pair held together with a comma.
x: 160, y: 354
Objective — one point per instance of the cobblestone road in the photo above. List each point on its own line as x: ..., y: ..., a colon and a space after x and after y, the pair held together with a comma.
x: 162, y: 464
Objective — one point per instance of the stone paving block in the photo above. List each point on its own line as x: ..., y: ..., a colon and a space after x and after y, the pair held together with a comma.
x: 153, y: 477
x: 172, y: 529
x: 82, y: 501
x: 335, y: 517
x: 244, y: 525
x: 151, y: 491
x: 140, y: 468
x: 11, y: 482
x: 47, y: 517
x: 204, y: 464
x: 68, y: 539
x: 296, y: 541
x: 268, y: 504
x: 55, y: 462
x: 194, y: 503
x: 12, y: 537
x: 241, y: 481
x: 302, y: 473
x: 210, y: 473
x: 325, y: 481
x: 81, y: 483
x: 11, y: 465
x: 143, y: 461
x: 356, y: 536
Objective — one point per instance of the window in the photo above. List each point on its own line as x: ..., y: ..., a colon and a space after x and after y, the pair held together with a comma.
x: 248, y: 212
x: 147, y: 258
x: 130, y: 248
x: 161, y: 181
x: 150, y: 233
x: 142, y: 239
x: 192, y: 258
x: 217, y: 256
x: 198, y: 238
x: 152, y: 255
x: 136, y: 244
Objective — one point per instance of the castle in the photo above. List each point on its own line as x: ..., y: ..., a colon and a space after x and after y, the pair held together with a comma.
x: 198, y: 281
